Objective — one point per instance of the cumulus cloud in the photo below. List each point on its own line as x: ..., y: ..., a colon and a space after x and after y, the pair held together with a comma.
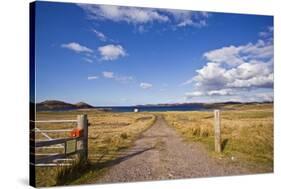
x: 145, y: 85
x: 210, y: 77
x: 99, y: 35
x: 236, y: 55
x: 76, y: 47
x: 247, y: 75
x: 111, y: 52
x: 236, y: 70
x: 228, y: 55
x: 135, y: 15
x: 92, y: 77
x: 252, y: 71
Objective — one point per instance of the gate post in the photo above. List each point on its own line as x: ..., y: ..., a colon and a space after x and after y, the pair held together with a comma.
x: 82, y: 124
x: 217, y: 128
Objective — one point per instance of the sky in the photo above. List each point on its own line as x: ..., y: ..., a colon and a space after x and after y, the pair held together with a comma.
x: 119, y: 56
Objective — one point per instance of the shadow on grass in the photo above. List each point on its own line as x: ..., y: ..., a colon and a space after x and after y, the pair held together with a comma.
x: 68, y: 175
x: 223, y: 144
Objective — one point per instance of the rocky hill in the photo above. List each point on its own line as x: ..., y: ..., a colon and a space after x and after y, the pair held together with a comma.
x: 52, y: 105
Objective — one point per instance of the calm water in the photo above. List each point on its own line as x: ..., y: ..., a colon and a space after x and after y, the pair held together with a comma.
x: 190, y: 107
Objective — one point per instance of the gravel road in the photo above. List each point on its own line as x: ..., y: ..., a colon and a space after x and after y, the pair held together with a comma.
x: 161, y: 154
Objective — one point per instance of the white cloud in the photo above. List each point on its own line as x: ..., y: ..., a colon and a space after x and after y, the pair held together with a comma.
x: 76, y: 47
x: 108, y: 74
x: 116, y: 77
x: 111, y: 52
x: 145, y: 85
x: 257, y: 81
x: 229, y: 55
x: 118, y: 13
x: 92, y: 77
x: 184, y: 18
x: 267, y: 33
x: 235, y: 71
x: 194, y: 94
x: 210, y: 77
x: 250, y: 70
x: 100, y: 35
x: 221, y: 92
x: 236, y: 55
x: 247, y: 75
x: 180, y: 18
x: 257, y: 51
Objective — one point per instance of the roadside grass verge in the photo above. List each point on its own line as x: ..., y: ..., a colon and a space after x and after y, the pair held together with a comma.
x: 247, y: 132
x: 109, y: 133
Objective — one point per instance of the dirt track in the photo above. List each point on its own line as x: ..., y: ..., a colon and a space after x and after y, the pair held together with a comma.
x: 160, y: 153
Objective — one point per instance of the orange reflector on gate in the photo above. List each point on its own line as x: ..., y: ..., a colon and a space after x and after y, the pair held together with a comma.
x: 76, y: 132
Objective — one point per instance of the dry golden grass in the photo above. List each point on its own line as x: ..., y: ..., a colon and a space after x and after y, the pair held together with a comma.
x: 247, y: 132
x: 108, y: 133
x: 247, y: 135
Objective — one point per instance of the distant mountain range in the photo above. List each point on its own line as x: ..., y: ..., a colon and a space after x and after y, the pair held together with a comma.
x: 207, y: 105
x: 56, y: 105
x: 52, y: 105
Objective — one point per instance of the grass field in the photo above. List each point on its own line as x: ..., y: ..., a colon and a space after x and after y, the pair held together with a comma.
x: 247, y: 137
x: 108, y: 134
x: 247, y: 132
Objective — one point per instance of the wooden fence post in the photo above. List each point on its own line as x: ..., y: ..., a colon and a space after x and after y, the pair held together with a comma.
x: 217, y: 128
x: 82, y: 124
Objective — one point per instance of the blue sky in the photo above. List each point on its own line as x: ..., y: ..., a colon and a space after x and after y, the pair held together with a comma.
x: 110, y: 55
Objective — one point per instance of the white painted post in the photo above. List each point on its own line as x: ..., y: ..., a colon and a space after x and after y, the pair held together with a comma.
x: 82, y: 124
x: 217, y: 128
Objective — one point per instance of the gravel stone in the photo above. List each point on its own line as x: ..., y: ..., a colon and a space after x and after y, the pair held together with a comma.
x: 160, y: 153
